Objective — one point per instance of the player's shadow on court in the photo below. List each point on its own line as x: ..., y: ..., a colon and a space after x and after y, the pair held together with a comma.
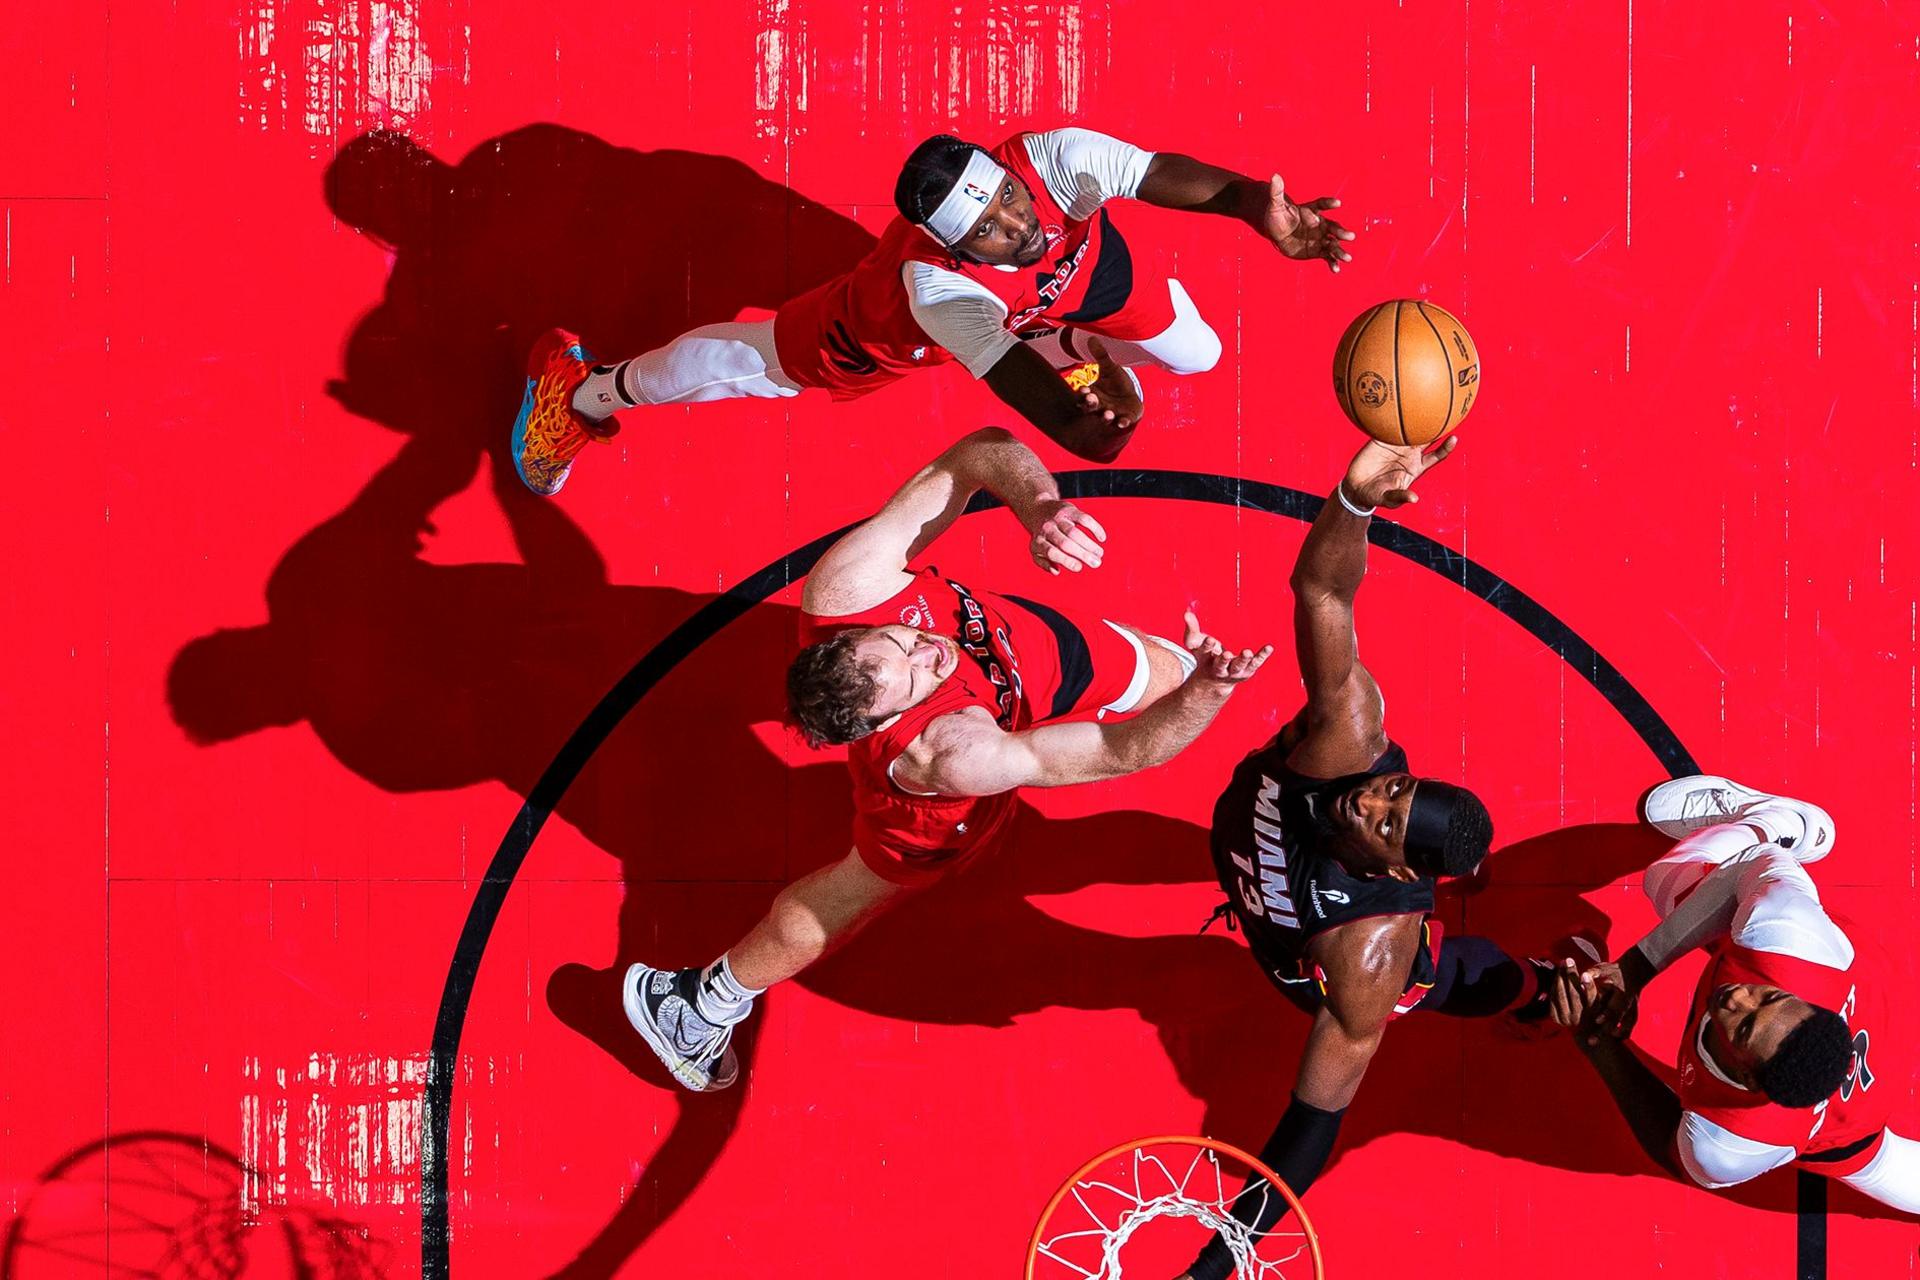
x: 162, y: 1203
x: 422, y: 676
x: 1232, y: 1039
x: 545, y: 227
x: 425, y: 676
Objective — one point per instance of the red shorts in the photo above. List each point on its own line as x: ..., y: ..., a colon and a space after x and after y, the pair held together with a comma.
x: 1079, y: 667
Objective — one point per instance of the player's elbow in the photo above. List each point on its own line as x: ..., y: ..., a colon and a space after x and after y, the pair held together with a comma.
x: 988, y: 435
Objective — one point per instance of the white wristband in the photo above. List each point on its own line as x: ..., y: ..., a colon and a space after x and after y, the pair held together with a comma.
x: 1345, y: 501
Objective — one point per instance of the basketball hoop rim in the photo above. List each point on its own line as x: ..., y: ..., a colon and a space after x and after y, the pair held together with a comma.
x: 1177, y: 1139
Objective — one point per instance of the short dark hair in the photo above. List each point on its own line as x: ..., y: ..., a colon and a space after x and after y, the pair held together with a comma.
x: 1811, y: 1062
x: 1466, y: 840
x: 929, y: 174
x: 829, y: 691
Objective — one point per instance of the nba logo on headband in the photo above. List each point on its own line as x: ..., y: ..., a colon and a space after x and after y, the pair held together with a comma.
x: 961, y: 206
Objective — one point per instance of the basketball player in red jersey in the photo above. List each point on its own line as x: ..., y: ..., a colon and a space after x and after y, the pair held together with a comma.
x: 950, y: 700
x: 1787, y: 1056
x: 1003, y: 259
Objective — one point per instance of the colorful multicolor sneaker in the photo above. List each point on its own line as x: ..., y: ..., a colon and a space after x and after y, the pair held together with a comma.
x: 549, y: 431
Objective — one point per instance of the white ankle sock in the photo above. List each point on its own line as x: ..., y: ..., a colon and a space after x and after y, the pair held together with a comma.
x: 606, y: 391
x: 721, y: 998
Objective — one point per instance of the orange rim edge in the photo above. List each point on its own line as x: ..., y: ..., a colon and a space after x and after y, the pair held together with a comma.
x: 1210, y: 1144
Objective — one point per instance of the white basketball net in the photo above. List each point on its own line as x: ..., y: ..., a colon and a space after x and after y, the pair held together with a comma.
x: 1201, y: 1192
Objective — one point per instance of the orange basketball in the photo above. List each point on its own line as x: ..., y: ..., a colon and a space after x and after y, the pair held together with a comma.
x: 1406, y: 372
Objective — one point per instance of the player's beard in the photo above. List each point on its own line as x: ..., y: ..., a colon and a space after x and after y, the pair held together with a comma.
x: 1028, y: 258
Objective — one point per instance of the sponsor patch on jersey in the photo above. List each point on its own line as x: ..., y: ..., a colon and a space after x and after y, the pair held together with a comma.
x: 918, y: 615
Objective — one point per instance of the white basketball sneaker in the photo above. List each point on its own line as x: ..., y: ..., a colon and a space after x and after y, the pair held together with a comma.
x: 1679, y: 808
x: 659, y: 1004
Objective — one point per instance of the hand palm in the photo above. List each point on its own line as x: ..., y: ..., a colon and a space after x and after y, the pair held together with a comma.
x: 1382, y: 474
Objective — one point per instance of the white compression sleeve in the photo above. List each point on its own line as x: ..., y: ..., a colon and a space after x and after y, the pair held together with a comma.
x: 1893, y: 1175
x: 1715, y: 1157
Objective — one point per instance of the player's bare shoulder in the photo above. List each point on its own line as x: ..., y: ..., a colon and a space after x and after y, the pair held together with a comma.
x: 938, y: 751
x: 1367, y: 962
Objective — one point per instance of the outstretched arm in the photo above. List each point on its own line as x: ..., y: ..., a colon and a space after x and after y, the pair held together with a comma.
x: 1300, y: 231
x: 869, y: 564
x: 1763, y: 898
x: 969, y: 755
x: 1345, y: 719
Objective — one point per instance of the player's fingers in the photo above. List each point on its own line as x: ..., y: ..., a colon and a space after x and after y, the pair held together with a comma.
x: 1324, y: 203
x: 1194, y: 634
x: 1559, y: 998
x: 1091, y: 525
x: 1080, y: 545
x: 1441, y: 454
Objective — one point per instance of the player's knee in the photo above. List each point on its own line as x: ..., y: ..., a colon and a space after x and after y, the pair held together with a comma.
x: 1198, y: 352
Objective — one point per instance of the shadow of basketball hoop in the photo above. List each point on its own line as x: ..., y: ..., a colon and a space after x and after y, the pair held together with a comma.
x: 174, y: 1206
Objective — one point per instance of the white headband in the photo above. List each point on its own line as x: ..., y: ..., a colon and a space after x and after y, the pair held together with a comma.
x: 979, y: 182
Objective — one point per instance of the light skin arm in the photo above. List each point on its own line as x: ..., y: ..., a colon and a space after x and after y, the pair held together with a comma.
x: 967, y: 754
x: 1344, y: 722
x: 869, y: 564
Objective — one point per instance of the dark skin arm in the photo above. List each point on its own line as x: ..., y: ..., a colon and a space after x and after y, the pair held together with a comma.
x: 1343, y: 728
x: 1366, y: 963
x: 1300, y: 231
x: 1649, y: 1107
x: 1095, y: 424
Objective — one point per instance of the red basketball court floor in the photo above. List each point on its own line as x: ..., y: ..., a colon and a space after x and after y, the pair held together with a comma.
x: 288, y: 649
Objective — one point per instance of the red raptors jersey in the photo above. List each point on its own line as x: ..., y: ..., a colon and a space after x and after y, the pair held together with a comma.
x: 1019, y: 659
x: 1857, y: 1112
x: 857, y: 333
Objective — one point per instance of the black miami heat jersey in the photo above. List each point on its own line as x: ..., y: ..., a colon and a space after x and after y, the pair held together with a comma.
x: 1281, y: 887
